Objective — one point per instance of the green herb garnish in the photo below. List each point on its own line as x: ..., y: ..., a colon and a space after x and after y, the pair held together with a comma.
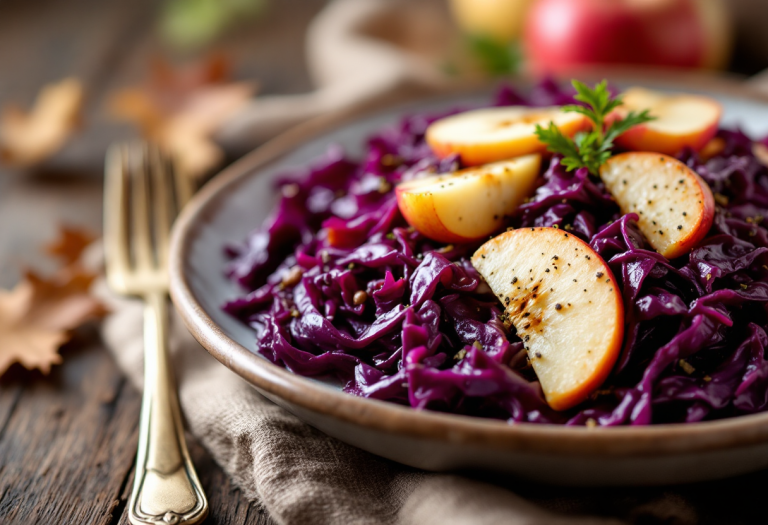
x: 590, y: 149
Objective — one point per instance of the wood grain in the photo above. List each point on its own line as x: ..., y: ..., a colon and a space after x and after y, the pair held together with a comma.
x: 68, y: 441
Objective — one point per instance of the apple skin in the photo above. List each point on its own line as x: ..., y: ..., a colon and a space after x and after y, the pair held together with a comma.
x: 645, y: 138
x: 562, y: 298
x: 682, y: 120
x: 563, y: 35
x: 642, y: 170
x: 418, y: 209
x: 470, y: 204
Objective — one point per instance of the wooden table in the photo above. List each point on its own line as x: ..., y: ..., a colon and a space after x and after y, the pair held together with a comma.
x: 68, y: 441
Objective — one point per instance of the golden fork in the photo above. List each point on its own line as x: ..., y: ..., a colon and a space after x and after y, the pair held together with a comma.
x: 142, y: 195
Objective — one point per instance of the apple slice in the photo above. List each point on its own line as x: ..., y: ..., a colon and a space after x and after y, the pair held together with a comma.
x: 563, y: 300
x: 493, y: 134
x: 681, y: 120
x: 675, y: 206
x: 469, y: 204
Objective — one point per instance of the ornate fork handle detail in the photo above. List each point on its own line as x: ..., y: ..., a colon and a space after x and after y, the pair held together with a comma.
x: 166, y: 488
x: 142, y: 195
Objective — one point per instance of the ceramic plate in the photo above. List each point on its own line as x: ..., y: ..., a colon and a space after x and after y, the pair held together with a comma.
x: 237, y: 201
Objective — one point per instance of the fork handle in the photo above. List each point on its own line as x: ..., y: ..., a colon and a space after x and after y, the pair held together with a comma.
x: 166, y: 489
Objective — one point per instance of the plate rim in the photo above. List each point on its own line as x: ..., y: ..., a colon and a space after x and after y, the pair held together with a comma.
x: 640, y: 441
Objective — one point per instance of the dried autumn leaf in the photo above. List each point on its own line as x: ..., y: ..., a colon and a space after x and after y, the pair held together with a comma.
x: 63, y: 302
x: 181, y: 109
x: 28, y: 138
x: 70, y: 244
x: 37, y: 316
x: 31, y: 346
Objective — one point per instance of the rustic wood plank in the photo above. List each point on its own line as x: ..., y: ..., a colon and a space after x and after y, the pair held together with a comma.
x: 70, y: 443
x: 31, y: 210
x: 46, y: 40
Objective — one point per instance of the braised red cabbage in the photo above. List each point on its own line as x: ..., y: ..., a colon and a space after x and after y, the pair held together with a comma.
x: 425, y: 331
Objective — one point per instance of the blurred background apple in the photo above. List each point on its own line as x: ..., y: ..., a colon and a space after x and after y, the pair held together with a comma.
x: 558, y: 35
x: 561, y: 34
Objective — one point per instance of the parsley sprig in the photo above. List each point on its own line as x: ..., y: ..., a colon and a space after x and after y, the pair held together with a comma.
x: 590, y: 149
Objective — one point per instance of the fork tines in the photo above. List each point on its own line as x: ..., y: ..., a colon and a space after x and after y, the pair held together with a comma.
x: 143, y: 194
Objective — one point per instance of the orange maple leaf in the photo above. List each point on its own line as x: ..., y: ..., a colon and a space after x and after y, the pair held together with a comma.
x: 28, y: 138
x: 180, y: 109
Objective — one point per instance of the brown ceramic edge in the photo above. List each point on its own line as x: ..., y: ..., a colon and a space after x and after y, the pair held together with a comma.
x: 388, y: 417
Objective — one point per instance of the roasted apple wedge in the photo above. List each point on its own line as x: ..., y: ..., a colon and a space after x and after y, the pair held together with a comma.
x: 680, y: 121
x: 674, y: 205
x: 469, y: 204
x: 493, y: 134
x: 563, y: 300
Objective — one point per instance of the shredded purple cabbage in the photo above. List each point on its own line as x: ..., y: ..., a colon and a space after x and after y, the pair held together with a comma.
x: 394, y: 316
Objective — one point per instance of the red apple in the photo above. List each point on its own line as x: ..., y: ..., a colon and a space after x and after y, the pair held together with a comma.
x: 469, y: 204
x: 680, y: 121
x: 493, y: 134
x: 675, y: 205
x: 563, y: 301
x: 565, y: 34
